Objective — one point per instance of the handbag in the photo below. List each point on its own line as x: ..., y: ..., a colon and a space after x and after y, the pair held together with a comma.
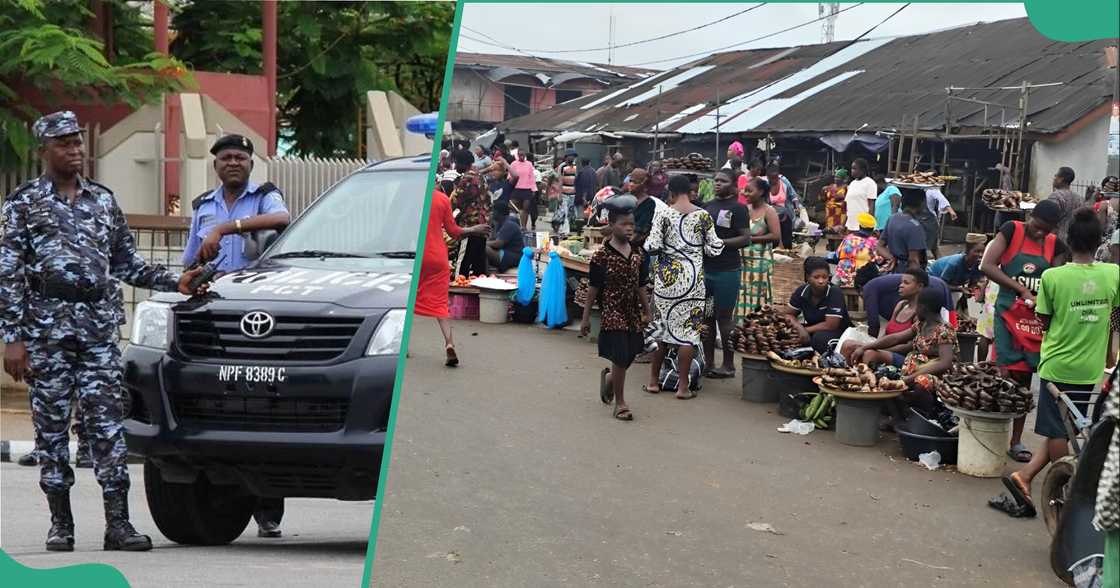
x: 1025, y: 327
x: 669, y: 376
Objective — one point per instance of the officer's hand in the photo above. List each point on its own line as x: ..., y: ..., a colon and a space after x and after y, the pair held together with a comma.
x: 16, y: 363
x: 210, y: 246
x: 185, y: 283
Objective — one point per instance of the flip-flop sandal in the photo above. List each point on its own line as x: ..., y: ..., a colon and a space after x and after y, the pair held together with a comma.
x: 688, y: 396
x: 650, y: 390
x: 716, y: 374
x: 606, y: 391
x: 623, y: 414
x: 1024, y: 501
x: 1020, y: 453
x: 452, y: 358
x: 1008, y: 505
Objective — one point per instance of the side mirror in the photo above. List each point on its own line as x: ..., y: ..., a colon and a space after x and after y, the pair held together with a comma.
x: 257, y: 242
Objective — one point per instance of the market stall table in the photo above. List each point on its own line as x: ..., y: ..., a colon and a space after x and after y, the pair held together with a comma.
x: 857, y: 414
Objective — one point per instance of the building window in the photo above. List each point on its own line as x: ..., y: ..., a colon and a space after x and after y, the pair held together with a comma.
x: 517, y: 101
x: 566, y: 95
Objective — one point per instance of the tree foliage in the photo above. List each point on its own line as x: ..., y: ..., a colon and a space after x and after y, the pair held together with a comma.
x: 48, y: 45
x: 329, y: 55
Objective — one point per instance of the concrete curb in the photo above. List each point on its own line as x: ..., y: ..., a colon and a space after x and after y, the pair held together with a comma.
x: 10, y: 451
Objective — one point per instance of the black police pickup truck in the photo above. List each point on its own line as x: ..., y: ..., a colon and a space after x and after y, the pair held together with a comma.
x: 278, y: 382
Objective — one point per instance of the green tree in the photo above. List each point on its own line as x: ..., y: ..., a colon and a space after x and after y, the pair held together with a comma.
x: 47, y: 45
x: 329, y: 54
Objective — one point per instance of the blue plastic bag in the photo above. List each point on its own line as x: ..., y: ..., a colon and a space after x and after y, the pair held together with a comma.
x: 526, y: 278
x: 553, y: 310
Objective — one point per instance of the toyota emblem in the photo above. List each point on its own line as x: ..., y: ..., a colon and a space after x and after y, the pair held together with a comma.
x: 257, y: 324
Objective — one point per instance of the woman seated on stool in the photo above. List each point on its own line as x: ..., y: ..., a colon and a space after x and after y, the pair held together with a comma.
x: 930, y: 346
x: 820, y: 304
x: 903, y: 315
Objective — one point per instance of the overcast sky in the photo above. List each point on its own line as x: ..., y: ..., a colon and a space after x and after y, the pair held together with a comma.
x: 533, y: 28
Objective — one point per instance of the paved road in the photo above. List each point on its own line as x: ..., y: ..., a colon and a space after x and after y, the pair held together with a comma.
x: 504, y: 478
x: 324, y: 542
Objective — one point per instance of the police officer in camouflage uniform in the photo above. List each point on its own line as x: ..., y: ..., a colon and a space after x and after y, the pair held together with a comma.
x: 65, y: 243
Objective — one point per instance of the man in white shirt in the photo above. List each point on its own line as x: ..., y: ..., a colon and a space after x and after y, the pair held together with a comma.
x: 861, y: 195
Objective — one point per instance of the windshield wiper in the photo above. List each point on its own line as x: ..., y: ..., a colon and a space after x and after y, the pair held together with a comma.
x: 313, y: 253
x: 397, y: 254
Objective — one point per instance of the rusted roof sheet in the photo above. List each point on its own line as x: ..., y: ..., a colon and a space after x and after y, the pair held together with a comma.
x: 843, y: 86
x: 608, y: 73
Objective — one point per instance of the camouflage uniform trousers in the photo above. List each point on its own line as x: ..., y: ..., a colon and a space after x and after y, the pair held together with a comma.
x: 91, y: 371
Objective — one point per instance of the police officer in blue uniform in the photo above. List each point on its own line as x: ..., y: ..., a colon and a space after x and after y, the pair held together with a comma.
x: 238, y: 206
x: 221, y: 217
x: 64, y: 246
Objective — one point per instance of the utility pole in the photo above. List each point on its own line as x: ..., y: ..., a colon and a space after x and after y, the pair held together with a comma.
x: 828, y: 25
x: 610, y: 38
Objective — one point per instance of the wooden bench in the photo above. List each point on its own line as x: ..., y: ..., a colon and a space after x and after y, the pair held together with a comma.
x: 853, y: 299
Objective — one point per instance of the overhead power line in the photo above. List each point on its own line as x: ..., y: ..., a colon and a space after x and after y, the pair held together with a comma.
x: 741, y: 43
x: 643, y: 41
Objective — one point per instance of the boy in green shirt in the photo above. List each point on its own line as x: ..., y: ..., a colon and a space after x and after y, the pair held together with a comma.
x: 1074, y: 304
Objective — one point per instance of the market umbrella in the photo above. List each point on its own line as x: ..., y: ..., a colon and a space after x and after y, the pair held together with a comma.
x: 526, y: 278
x: 553, y: 304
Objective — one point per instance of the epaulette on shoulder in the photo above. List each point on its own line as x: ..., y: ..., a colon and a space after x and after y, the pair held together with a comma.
x: 198, y: 199
x: 267, y: 188
x: 102, y: 186
x: 21, y: 189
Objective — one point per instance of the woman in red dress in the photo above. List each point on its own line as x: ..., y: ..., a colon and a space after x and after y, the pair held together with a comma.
x: 435, y: 271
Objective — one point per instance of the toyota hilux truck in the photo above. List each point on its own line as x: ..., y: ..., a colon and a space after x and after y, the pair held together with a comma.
x: 278, y: 381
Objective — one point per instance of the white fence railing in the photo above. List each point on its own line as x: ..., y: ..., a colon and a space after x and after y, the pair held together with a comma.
x: 302, y: 180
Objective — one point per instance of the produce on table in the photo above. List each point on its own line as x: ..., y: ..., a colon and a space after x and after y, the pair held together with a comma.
x: 996, y: 198
x: 861, y: 379
x: 926, y: 178
x: 809, y: 363
x: 966, y: 326
x: 978, y: 387
x: 763, y: 331
x: 462, y: 281
x: 820, y: 410
x: 692, y: 161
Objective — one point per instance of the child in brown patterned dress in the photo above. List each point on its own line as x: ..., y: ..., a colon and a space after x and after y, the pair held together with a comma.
x: 617, y: 280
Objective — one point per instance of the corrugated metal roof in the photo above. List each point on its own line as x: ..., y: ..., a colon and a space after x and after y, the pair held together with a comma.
x: 533, y: 65
x: 843, y: 86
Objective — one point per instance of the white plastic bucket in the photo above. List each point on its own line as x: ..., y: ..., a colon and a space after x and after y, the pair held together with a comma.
x: 493, y: 307
x: 982, y: 446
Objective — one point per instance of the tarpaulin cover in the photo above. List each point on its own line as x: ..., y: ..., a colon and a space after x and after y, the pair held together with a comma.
x: 841, y: 141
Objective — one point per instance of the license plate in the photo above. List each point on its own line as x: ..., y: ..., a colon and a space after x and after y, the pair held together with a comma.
x: 252, y: 374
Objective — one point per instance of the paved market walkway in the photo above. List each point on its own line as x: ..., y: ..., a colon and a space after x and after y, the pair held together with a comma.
x: 508, y: 471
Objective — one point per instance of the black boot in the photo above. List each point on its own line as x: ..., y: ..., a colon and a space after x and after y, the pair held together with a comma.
x: 61, y: 535
x: 119, y: 533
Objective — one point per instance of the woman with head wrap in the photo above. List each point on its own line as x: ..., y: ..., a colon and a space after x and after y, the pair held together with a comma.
x: 835, y: 212
x: 1014, y: 261
x: 734, y: 152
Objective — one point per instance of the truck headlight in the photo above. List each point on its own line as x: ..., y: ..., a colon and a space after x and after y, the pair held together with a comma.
x: 151, y: 325
x: 387, y: 338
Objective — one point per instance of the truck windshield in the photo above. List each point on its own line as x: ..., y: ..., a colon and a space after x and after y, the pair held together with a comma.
x: 369, y: 214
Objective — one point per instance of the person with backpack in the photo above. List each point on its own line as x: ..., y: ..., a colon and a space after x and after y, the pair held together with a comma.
x: 1014, y: 261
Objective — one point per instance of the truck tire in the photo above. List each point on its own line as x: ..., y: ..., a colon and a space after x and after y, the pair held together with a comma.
x: 199, y: 513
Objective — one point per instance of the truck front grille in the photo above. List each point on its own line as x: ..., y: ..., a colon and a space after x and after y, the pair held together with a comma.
x: 293, y: 339
x: 244, y: 413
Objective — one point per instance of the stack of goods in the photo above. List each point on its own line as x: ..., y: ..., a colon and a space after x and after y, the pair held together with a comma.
x: 800, y: 359
x: 763, y: 331
x: 573, y: 247
x: 996, y: 198
x: 926, y: 178
x: 861, y: 379
x: 966, y: 326
x: 820, y: 410
x: 692, y: 161
x: 462, y: 282
x: 978, y: 387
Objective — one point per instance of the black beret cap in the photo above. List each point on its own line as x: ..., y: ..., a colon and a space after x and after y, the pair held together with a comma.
x: 232, y: 142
